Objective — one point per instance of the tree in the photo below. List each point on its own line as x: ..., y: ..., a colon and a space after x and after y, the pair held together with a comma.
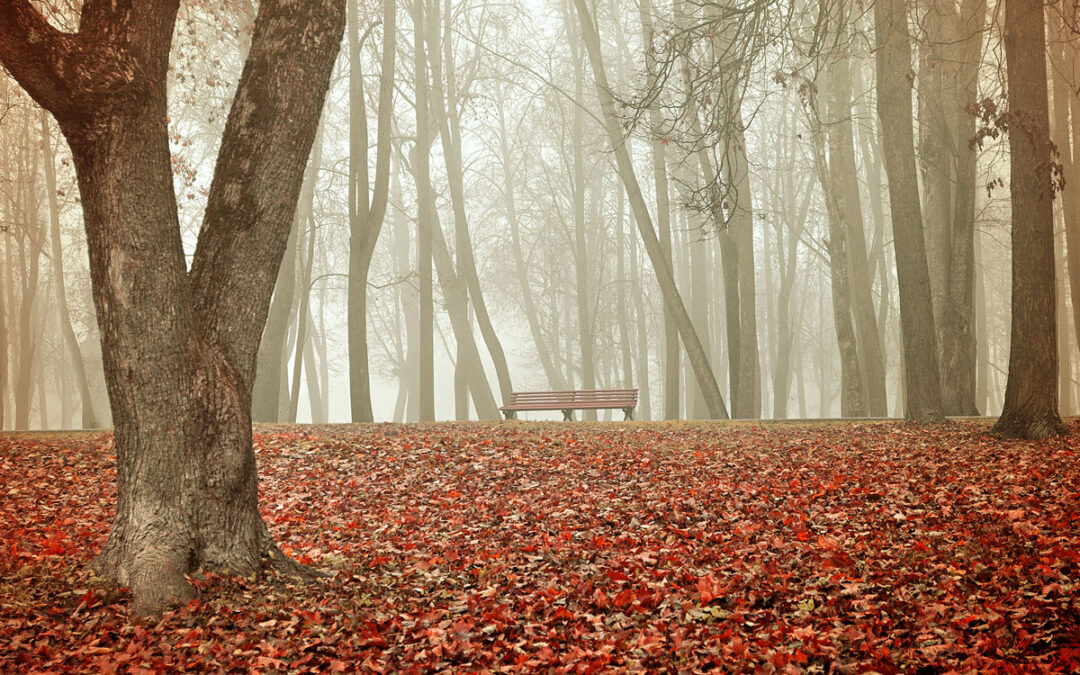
x: 366, y: 213
x: 421, y: 163
x: 71, y: 343
x: 1031, y: 392
x: 923, y: 388
x: 673, y: 302
x: 179, y: 347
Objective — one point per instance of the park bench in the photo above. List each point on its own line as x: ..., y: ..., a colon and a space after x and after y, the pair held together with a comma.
x: 571, y: 400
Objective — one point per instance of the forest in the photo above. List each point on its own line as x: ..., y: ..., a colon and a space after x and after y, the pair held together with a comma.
x: 293, y: 295
x: 508, y: 255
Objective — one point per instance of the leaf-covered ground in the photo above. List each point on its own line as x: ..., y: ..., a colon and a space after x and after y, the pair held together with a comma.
x: 582, y: 548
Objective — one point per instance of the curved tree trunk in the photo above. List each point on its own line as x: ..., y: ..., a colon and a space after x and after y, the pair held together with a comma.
x: 71, y: 342
x: 366, y: 219
x: 444, y: 106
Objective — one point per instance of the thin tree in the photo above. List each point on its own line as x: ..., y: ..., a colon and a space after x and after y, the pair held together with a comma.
x: 923, y: 388
x: 672, y: 300
x: 366, y: 212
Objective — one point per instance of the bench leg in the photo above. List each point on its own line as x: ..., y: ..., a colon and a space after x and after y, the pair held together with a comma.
x: 567, y: 415
x: 509, y: 414
x: 628, y: 414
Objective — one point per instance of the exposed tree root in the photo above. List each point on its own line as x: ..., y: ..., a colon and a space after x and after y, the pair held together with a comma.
x: 1028, y: 428
x: 275, y: 559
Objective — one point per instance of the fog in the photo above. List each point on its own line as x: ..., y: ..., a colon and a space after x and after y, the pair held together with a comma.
x: 753, y: 141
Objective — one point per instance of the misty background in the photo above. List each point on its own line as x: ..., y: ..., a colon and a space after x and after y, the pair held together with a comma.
x: 740, y: 107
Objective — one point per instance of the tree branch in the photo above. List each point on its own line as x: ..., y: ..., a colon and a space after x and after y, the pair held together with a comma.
x: 260, y: 167
x: 34, y: 53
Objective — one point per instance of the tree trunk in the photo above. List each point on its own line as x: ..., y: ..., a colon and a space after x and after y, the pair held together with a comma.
x: 663, y: 215
x: 742, y: 230
x: 1031, y: 392
x: 957, y: 333
x: 366, y: 218
x: 30, y: 236
x: 422, y: 171
x: 844, y: 171
x: 179, y: 348
x: 923, y: 389
x: 271, y: 370
x: 672, y: 300
x: 444, y: 105
x: 642, y: 328
x: 456, y: 297
x: 853, y: 401
x: 71, y: 343
x: 1062, y: 64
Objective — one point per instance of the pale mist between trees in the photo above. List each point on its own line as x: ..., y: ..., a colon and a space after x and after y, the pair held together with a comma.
x: 745, y: 209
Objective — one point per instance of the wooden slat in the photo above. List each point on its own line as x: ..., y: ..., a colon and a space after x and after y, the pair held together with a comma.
x: 580, y: 399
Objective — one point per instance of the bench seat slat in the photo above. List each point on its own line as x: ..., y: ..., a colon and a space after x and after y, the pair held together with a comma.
x: 572, y: 399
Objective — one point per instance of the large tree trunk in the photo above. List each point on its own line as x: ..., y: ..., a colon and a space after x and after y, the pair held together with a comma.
x: 179, y: 349
x: 923, y: 388
x: 672, y: 300
x: 366, y: 218
x: 1031, y: 393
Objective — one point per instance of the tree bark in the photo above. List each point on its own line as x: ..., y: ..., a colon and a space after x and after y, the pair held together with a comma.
x: 422, y: 171
x: 663, y: 214
x: 923, y: 388
x: 853, y: 401
x: 843, y: 168
x: 179, y: 349
x: 71, y: 342
x: 366, y: 217
x: 672, y: 300
x: 1031, y: 392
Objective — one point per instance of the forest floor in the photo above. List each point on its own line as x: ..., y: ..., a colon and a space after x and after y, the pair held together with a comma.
x: 577, y: 548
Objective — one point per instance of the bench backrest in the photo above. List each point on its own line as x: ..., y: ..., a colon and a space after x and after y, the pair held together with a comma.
x: 616, y: 398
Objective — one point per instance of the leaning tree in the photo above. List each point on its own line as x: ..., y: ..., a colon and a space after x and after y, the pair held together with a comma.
x: 179, y: 346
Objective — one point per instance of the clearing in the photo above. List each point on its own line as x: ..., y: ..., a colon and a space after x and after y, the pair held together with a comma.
x: 579, y: 548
